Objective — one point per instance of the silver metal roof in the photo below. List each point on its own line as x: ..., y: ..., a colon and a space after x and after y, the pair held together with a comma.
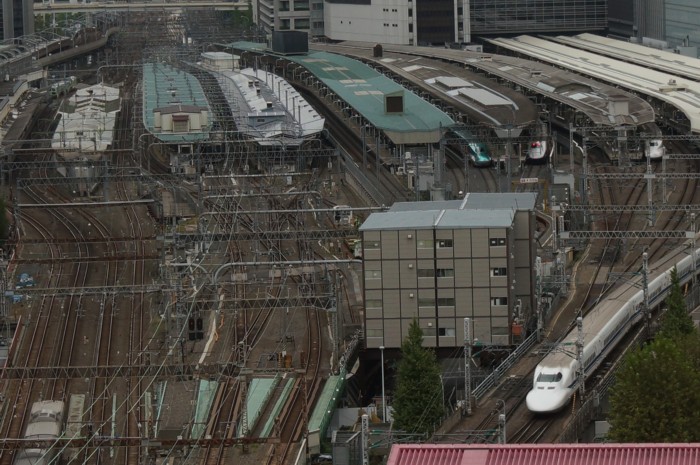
x: 438, y: 219
x: 474, y: 201
x: 475, y: 210
x: 681, y: 93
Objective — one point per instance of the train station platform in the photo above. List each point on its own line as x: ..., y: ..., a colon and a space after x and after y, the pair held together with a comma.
x: 480, y: 99
x: 600, y: 103
x: 259, y: 392
x: 682, y: 94
x: 205, y: 396
x: 324, y: 409
x: 401, y: 115
x: 170, y: 91
x: 281, y: 400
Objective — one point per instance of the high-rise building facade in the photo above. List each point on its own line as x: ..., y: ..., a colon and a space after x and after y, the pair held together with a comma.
x: 498, y: 17
x: 414, y: 22
x: 16, y: 18
x: 682, y: 23
x: 289, y: 15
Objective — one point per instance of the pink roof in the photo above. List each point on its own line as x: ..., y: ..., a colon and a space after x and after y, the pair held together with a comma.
x: 545, y: 454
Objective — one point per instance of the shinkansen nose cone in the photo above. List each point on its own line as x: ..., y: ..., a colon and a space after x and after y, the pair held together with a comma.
x: 547, y: 400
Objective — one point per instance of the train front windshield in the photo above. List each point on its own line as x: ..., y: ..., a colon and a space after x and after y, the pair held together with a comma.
x: 549, y: 378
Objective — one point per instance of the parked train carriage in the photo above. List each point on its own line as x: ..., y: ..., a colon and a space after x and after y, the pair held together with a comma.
x: 45, y: 422
x: 74, y: 424
x: 556, y: 376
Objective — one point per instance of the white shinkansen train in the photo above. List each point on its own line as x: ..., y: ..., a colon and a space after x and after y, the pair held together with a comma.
x: 539, y: 151
x: 555, y: 377
x: 45, y: 423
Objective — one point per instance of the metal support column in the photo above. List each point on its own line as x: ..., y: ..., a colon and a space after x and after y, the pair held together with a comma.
x: 579, y: 358
x: 467, y: 367
x: 365, y: 439
x: 650, y: 192
x: 645, y: 289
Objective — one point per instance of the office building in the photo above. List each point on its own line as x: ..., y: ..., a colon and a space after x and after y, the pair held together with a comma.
x: 443, y: 261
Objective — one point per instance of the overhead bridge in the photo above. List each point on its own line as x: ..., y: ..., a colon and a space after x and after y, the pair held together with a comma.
x: 173, y: 6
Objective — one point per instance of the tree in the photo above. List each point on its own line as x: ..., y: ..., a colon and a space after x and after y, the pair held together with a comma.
x: 656, y: 396
x: 417, y: 402
x: 676, y: 321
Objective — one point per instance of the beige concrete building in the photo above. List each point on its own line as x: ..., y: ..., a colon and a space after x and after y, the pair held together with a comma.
x: 443, y: 261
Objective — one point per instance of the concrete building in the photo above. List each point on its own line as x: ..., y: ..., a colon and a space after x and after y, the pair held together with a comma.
x: 433, y: 22
x: 443, y: 261
x: 289, y: 15
x: 16, y: 18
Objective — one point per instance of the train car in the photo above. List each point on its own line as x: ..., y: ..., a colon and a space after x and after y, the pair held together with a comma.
x: 539, y: 151
x: 556, y: 377
x: 653, y: 148
x: 45, y: 422
x: 74, y: 425
x: 476, y: 151
x: 62, y: 87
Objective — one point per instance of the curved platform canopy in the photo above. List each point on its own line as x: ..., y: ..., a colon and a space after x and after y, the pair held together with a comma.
x: 680, y: 93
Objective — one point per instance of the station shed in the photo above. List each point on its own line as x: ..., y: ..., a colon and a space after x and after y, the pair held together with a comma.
x: 468, y: 97
x: 677, y: 100
x: 175, y: 108
x: 366, y: 97
x: 649, y: 57
x: 562, y: 97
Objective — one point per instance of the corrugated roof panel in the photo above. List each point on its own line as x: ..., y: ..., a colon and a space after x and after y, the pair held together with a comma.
x: 484, y: 97
x: 453, y: 81
x: 545, y: 454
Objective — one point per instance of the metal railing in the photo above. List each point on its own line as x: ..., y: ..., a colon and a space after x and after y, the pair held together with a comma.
x: 493, y: 378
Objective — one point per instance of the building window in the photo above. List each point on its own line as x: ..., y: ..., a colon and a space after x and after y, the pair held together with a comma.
x: 429, y: 331
x: 446, y: 302
x: 410, y: 27
x: 497, y: 241
x: 499, y: 301
x: 426, y: 302
x: 448, y: 332
x: 373, y: 303
x: 373, y: 274
x: 370, y: 245
x: 444, y: 243
x: 425, y: 243
x: 410, y: 12
x: 426, y: 273
x: 445, y: 273
x: 499, y: 272
x: 181, y: 123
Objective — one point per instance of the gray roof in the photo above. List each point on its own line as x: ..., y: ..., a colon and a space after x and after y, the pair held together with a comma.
x: 474, y: 201
x: 438, y: 219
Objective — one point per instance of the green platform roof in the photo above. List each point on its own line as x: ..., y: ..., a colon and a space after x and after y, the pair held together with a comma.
x: 160, y: 81
x: 365, y: 90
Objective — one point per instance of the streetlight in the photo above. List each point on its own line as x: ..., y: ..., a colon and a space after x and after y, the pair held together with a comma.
x: 381, y: 351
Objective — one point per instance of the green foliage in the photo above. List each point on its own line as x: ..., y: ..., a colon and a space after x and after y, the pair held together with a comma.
x: 676, y: 321
x: 656, y: 396
x: 418, y: 391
